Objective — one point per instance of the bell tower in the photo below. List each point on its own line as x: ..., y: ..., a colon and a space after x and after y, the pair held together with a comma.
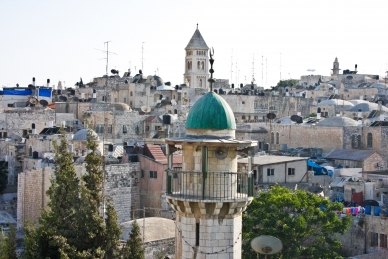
x: 196, y: 62
x: 336, y: 68
x: 209, y: 194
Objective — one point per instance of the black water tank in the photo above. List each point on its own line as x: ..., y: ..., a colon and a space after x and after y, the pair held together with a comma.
x: 166, y: 119
x: 35, y: 154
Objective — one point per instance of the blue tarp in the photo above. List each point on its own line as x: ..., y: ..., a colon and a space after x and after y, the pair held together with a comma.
x: 320, y: 170
x: 45, y: 92
x: 17, y: 92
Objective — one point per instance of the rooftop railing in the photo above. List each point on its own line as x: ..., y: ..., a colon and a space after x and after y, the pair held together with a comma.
x: 209, y: 185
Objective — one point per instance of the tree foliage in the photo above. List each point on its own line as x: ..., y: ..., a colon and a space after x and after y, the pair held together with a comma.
x: 306, y: 224
x: 287, y: 82
x: 74, y: 226
x: 8, y: 244
x: 133, y: 249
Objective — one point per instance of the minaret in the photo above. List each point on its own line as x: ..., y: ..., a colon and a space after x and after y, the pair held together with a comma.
x: 336, y: 68
x: 196, y: 62
x: 209, y: 195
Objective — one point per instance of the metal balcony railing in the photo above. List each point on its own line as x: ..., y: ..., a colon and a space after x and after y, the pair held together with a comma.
x: 209, y: 185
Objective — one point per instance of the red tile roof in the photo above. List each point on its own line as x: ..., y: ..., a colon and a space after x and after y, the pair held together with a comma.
x: 156, y: 152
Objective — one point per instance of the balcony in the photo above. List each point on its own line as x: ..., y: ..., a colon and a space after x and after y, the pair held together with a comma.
x: 210, y: 186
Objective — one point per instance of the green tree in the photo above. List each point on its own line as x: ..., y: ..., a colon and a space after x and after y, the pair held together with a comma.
x: 307, y: 224
x: 133, y: 249
x: 8, y: 244
x: 287, y: 82
x: 74, y: 227
x: 3, y: 178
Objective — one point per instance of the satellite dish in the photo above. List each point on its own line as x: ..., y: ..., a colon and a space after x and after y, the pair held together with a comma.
x: 33, y: 100
x: 221, y: 153
x: 44, y: 103
x: 126, y: 81
x: 185, y: 100
x: 16, y: 138
x: 295, y: 118
x: 271, y: 116
x: 145, y: 109
x: 266, y: 245
x: 315, y: 189
x: 63, y: 98
x: 75, y: 98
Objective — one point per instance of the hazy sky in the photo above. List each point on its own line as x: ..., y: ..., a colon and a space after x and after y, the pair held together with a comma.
x: 61, y: 40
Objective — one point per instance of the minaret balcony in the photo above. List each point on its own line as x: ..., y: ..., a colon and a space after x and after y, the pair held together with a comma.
x: 209, y: 186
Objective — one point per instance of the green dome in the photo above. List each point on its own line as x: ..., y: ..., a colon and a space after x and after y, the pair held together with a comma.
x: 211, y: 112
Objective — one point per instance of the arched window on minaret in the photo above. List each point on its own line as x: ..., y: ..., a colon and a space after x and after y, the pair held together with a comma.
x: 200, y: 83
x: 277, y: 137
x: 203, y: 65
x: 198, y: 65
x: 272, y: 138
x: 30, y: 151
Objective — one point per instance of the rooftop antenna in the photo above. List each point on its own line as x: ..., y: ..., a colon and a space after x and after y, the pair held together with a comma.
x: 280, y: 66
x: 253, y: 69
x: 142, y: 59
x: 231, y: 68
x: 266, y: 72
x: 262, y: 70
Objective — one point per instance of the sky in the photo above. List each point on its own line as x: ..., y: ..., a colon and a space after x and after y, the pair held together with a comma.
x: 265, y: 39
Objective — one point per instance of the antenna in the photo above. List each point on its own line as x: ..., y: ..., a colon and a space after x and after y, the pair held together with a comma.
x: 262, y: 70
x: 142, y: 59
x: 266, y: 72
x: 280, y: 66
x: 253, y: 69
x: 231, y: 68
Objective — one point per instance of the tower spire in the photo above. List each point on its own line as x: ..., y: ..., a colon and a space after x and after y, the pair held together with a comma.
x: 197, y: 26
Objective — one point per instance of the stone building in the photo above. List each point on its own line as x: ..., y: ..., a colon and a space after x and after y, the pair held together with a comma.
x: 367, y: 160
x: 209, y: 194
x: 152, y: 180
x: 196, y: 62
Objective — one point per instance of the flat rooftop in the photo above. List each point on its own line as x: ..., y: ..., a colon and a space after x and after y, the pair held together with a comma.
x: 268, y: 160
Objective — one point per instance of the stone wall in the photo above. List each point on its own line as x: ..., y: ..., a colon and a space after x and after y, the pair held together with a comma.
x: 158, y: 248
x: 32, y: 198
x: 119, y: 180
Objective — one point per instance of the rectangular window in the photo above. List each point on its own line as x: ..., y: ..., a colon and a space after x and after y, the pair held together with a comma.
x: 110, y: 128
x: 383, y: 240
x: 374, y: 239
x: 147, y: 128
x: 270, y: 171
x: 291, y: 171
x: 243, y: 117
x: 197, y: 234
x: 125, y: 130
x: 99, y: 128
x: 142, y: 173
x: 153, y: 174
x: 130, y: 93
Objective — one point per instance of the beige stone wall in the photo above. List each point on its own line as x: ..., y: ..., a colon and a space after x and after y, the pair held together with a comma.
x: 281, y: 172
x: 214, y: 236
x: 295, y: 136
x: 32, y: 198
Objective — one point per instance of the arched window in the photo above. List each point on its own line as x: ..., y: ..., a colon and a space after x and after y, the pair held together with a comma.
x: 198, y: 65
x: 202, y: 65
x: 356, y: 141
x: 30, y: 151
x: 369, y: 141
x: 277, y: 137
x: 272, y: 138
x: 200, y: 83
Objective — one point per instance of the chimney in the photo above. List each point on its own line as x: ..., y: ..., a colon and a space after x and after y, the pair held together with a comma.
x: 33, y: 81
x: 94, y: 94
x: 48, y: 83
x: 63, y: 124
x: 359, y: 113
x: 355, y: 68
x: 33, y: 128
x: 382, y: 117
x: 50, y: 124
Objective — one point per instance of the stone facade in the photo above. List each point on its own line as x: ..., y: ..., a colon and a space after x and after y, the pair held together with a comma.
x: 32, y: 198
x: 119, y: 180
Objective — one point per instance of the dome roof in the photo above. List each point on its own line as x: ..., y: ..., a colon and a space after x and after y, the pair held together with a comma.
x: 211, y: 111
x: 358, y: 101
x: 367, y: 107
x: 119, y: 106
x: 82, y: 134
x: 336, y: 102
x: 338, y: 122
